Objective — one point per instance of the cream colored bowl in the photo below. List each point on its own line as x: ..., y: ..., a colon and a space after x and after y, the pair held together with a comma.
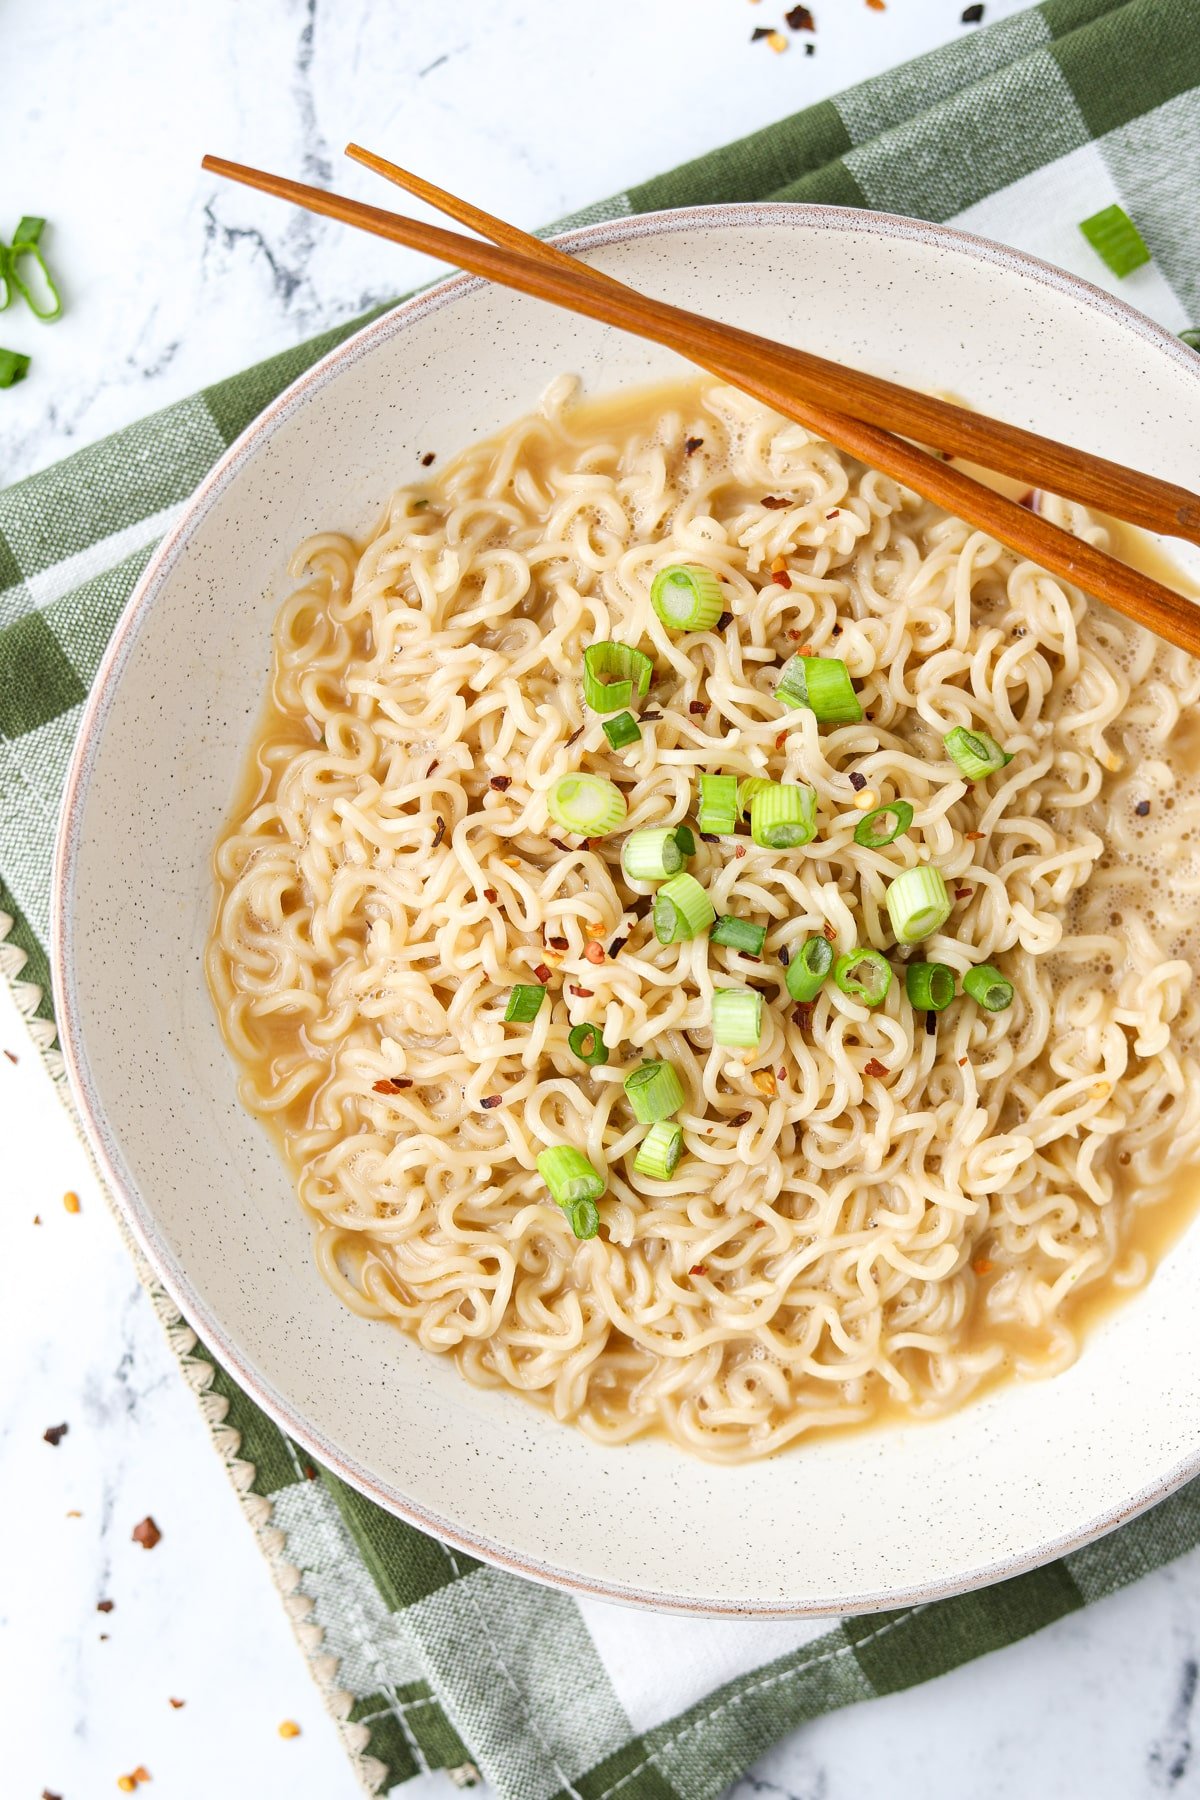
x: 861, y: 1521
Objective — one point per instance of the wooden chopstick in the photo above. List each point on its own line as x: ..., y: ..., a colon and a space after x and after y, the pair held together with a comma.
x: 1009, y: 449
x: 571, y: 284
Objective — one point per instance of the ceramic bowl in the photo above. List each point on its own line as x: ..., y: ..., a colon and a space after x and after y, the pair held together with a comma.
x: 872, y: 1519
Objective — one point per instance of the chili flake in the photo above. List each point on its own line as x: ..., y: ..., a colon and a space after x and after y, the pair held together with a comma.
x: 742, y: 1118
x: 739, y: 851
x: 972, y: 15
x: 691, y: 444
x: 581, y: 993
x: 829, y: 931
x: 930, y: 1024
x: 698, y: 1269
x: 877, y: 5
x: 490, y: 1100
x: 391, y: 1084
x: 697, y: 706
x: 558, y: 943
x: 558, y: 844
x: 429, y: 458
x: 440, y: 833
x: 973, y: 837
x: 146, y: 1533
x: 963, y: 893
x: 800, y: 19
x: 875, y: 1067
x: 782, y: 578
x: 725, y: 619
x: 574, y: 737
x: 761, y: 31
x: 177, y: 1704
x: 617, y: 944
x: 500, y: 782
x: 594, y: 952
x: 962, y: 1062
x: 857, y: 782
x: 774, y: 502
x: 710, y: 837
x: 780, y: 740
x: 802, y: 1016
x: 54, y: 1434
x: 785, y: 955
x: 491, y: 896
x: 71, y: 1202
x: 781, y: 1073
x: 542, y: 973
x: 105, y: 1606
x: 1142, y: 808
x: 650, y: 717
x: 982, y: 1265
x: 11, y: 1056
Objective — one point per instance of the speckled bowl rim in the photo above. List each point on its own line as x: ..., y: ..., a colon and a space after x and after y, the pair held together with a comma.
x: 103, y: 1139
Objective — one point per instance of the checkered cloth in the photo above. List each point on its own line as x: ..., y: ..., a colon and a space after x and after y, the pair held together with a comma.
x: 431, y: 1660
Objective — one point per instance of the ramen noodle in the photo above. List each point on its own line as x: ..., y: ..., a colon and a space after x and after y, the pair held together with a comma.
x: 880, y: 1204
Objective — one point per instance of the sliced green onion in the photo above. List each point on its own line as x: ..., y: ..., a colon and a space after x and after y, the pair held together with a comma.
x: 6, y: 279
x: 884, y: 825
x: 660, y: 1150
x: 585, y: 1220
x: 687, y: 597
x: 975, y: 753
x: 654, y: 1091
x: 569, y: 1175
x: 1116, y: 239
x: 587, y: 804
x: 682, y: 909
x: 917, y: 903
x: 717, y: 811
x: 14, y: 367
x: 929, y: 986
x: 739, y: 934
x: 753, y: 784
x: 26, y: 244
x: 865, y: 975
x: 823, y: 685
x: 611, y: 673
x: 685, y: 840
x: 524, y: 1004
x: 587, y: 1044
x: 651, y: 855
x: 737, y: 1017
x: 781, y: 817
x: 808, y: 968
x: 988, y: 987
x: 622, y: 730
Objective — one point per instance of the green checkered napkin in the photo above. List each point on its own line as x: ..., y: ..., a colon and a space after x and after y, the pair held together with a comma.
x: 433, y: 1661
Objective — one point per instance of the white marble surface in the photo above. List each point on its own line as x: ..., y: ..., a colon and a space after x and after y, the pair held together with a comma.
x: 535, y: 107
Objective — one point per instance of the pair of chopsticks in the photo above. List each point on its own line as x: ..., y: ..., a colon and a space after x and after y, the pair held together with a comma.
x: 824, y: 396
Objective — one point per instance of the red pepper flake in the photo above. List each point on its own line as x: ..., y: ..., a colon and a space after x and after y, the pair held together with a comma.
x: 491, y: 896
x: 709, y: 837
x: 440, y: 833
x: 761, y: 31
x: 10, y: 1055
x: 857, y: 782
x: 875, y: 1067
x: 393, y: 1084
x: 146, y: 1533
x: 47, y: 1795
x: 559, y: 845
x: 490, y: 1100
x: 963, y: 893
x: 973, y: 837
x: 774, y: 502
x: 742, y: 1118
x: 698, y: 1269
x: 782, y: 579
x: 650, y: 717
x: 310, y: 1474
x: 593, y: 952
x: 982, y: 1265
x: 781, y: 1074
x: 877, y: 5
x: 781, y: 740
x: 725, y: 619
x: 930, y: 1024
x: 802, y: 1016
x: 105, y: 1606
x: 177, y: 1704
x: 501, y: 783
x: 54, y: 1434
x: 617, y: 945
x: 800, y: 19
x: 429, y: 458
x: 697, y: 706
x: 829, y: 931
x: 542, y: 973
x: 972, y: 15
x: 739, y: 851
x: 574, y: 737
x: 691, y: 445
x: 795, y: 636
x: 835, y: 514
x: 558, y: 943
x: 962, y: 1062
x: 581, y: 993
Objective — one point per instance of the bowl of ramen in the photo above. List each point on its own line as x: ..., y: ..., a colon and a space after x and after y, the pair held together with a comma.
x: 634, y: 979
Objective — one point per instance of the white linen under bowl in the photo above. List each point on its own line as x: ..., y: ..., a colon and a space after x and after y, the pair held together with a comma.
x: 846, y: 1524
